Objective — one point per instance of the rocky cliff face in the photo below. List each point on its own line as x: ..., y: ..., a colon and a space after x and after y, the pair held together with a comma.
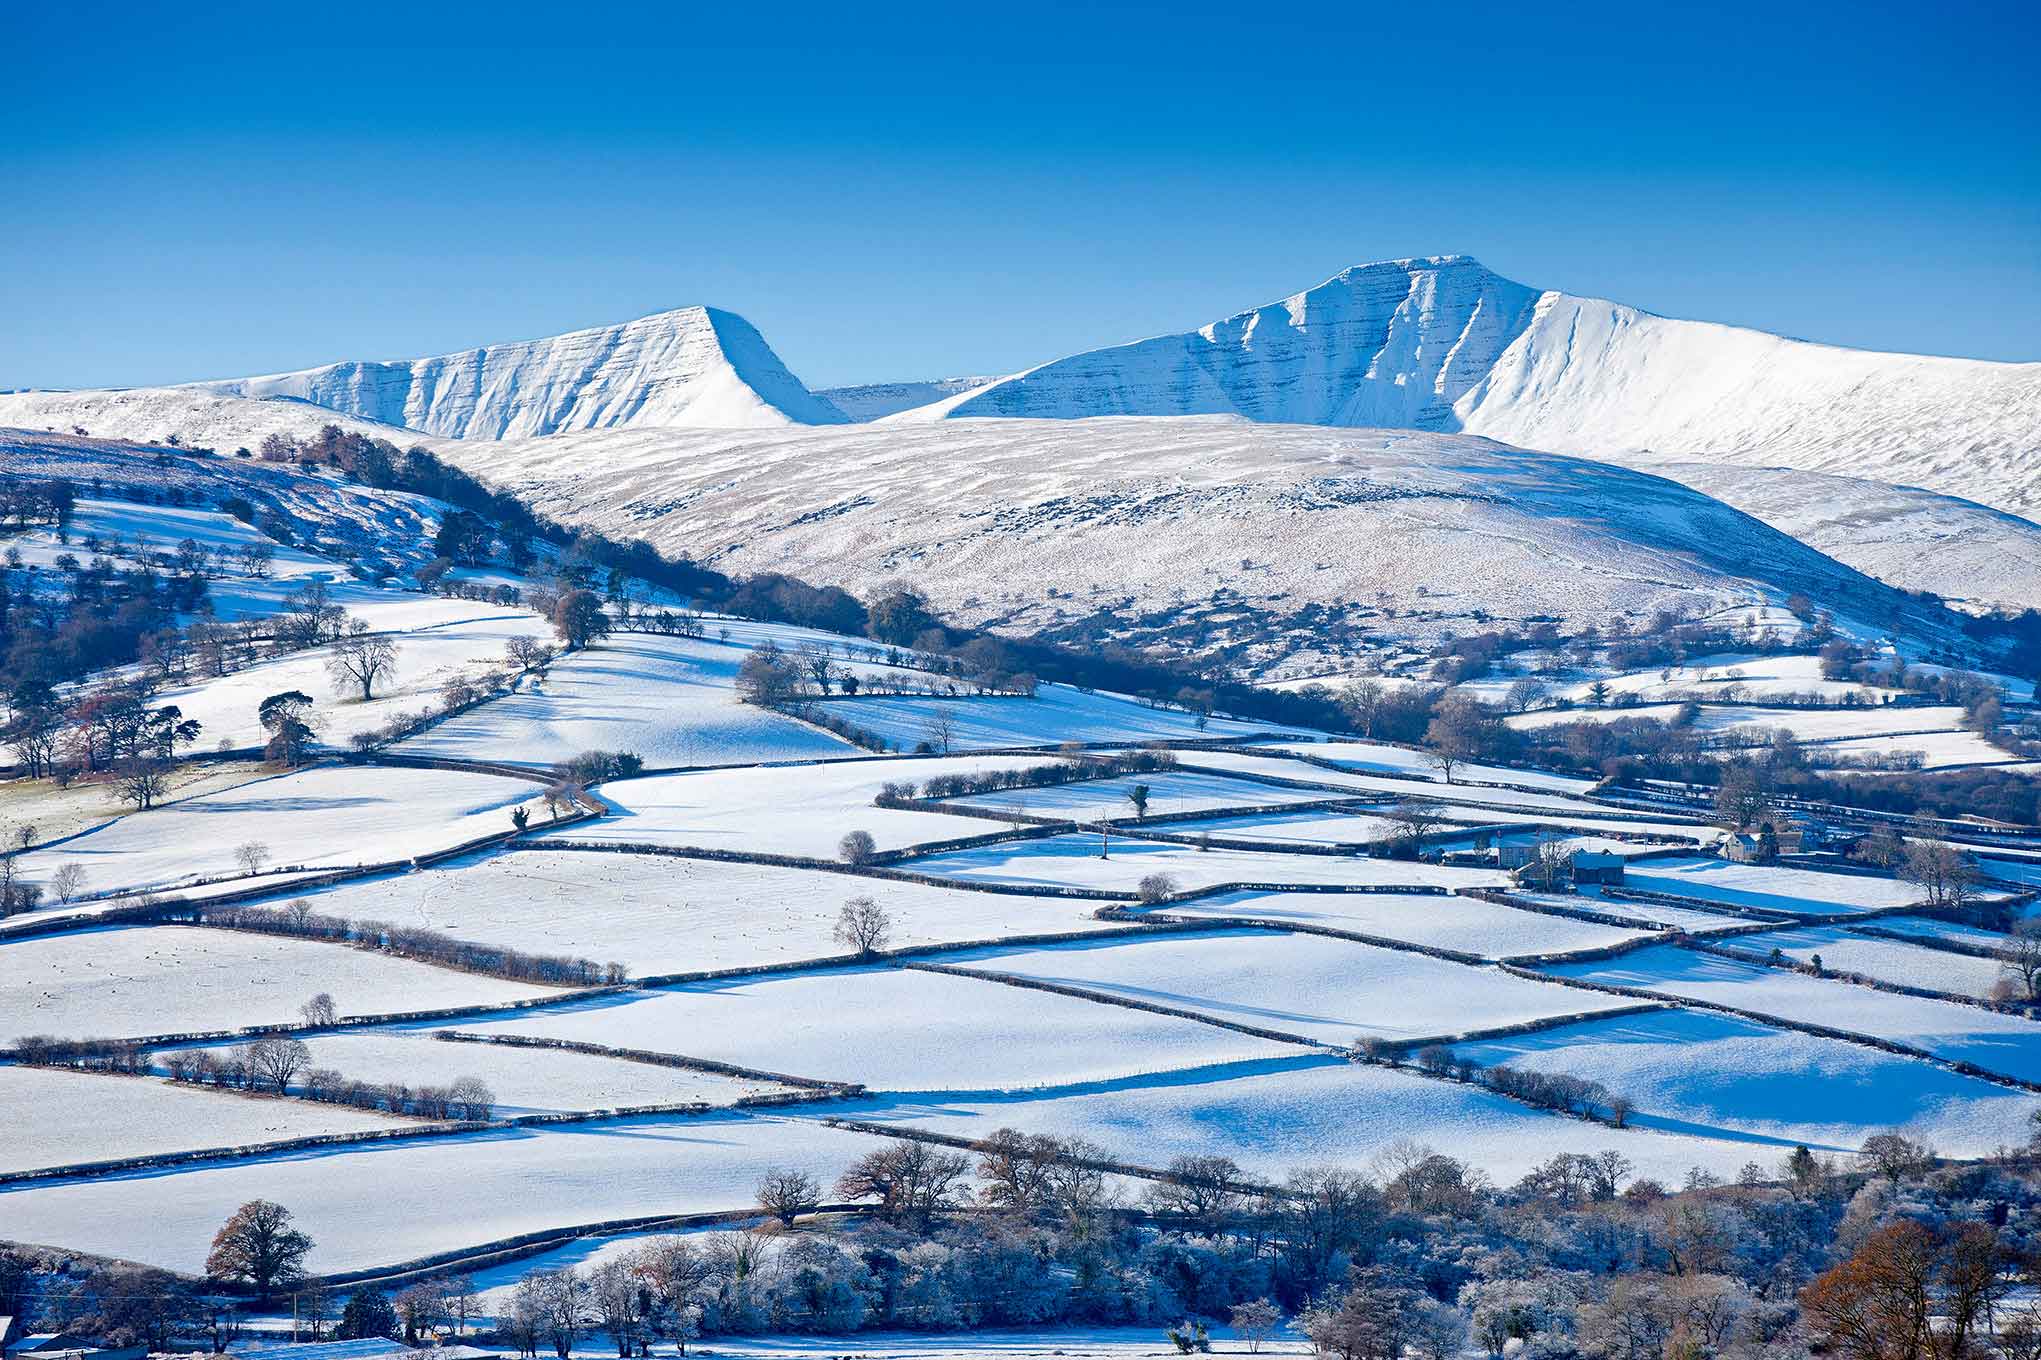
x: 695, y: 366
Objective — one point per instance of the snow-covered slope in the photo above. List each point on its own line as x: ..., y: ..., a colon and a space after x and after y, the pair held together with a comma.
x: 869, y: 401
x: 693, y: 366
x: 1187, y: 532
x: 1906, y: 537
x: 1445, y: 344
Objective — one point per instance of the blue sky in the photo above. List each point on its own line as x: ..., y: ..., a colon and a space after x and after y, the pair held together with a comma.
x: 906, y: 191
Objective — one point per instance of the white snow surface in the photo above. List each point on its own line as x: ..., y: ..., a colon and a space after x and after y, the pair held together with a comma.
x: 1910, y: 965
x: 1443, y: 343
x: 510, y: 1181
x: 894, y: 1029
x: 1720, y: 1075
x: 1056, y: 714
x: 1308, y: 1113
x: 325, y: 817
x: 1073, y: 861
x: 672, y: 701
x: 1468, y: 924
x: 659, y: 915
x: 1328, y: 990
x: 691, y: 366
x: 1169, y: 791
x: 1948, y: 1029
x: 132, y: 981
x: 60, y: 1118
x: 786, y: 810
x: 1769, y: 886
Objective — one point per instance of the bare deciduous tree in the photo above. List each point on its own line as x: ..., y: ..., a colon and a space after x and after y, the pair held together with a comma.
x: 863, y: 926
x: 856, y: 848
x: 361, y: 658
x: 320, y: 1010
x: 276, y: 1060
x: 67, y: 881
x: 251, y: 856
x: 786, y: 1194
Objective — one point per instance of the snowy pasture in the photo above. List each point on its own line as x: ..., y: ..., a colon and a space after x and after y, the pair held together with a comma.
x: 1467, y: 924
x: 1770, y: 887
x: 796, y: 810
x: 1169, y: 791
x: 1073, y: 861
x: 1330, y: 991
x: 1395, y: 787
x: 2005, y: 1044
x: 1929, y: 928
x: 1693, y: 920
x: 427, y: 658
x: 854, y: 1025
x: 658, y: 914
x: 671, y: 700
x: 362, y: 1204
x: 59, y: 1118
x: 1302, y: 827
x: 1723, y: 676
x: 326, y: 817
x: 1308, y: 1112
x: 1056, y: 714
x: 127, y: 981
x: 1721, y: 1076
x: 1937, y: 750
x: 1909, y: 965
x: 1372, y: 757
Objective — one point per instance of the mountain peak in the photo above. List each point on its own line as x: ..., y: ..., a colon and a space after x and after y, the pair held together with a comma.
x: 686, y: 366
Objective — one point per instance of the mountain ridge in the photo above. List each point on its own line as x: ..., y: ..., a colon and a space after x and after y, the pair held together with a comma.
x: 694, y: 366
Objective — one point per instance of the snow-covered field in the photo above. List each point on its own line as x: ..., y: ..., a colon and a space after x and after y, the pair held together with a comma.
x: 1309, y: 1113
x: 1073, y: 861
x: 1929, y: 928
x: 1936, y: 750
x: 1055, y: 715
x: 139, y: 980
x: 1328, y: 990
x: 1394, y: 787
x: 1948, y: 1029
x: 365, y: 1206
x: 894, y: 1029
x: 326, y: 817
x: 427, y: 657
x: 671, y: 700
x: 1769, y: 886
x: 1909, y: 965
x: 1467, y: 924
x: 796, y: 810
x: 57, y: 1118
x: 1719, y: 1075
x: 1293, y: 828
x: 1170, y: 791
x: 658, y: 914
x: 1693, y: 920
x: 1367, y: 757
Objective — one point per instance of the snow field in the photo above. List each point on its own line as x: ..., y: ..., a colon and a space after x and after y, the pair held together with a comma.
x: 1938, y: 750
x: 1302, y: 827
x: 894, y: 1029
x: 131, y: 981
x: 1467, y: 924
x: 794, y: 810
x: 1385, y: 785
x: 55, y: 813
x: 1768, y: 886
x: 1328, y: 990
x: 1998, y: 1043
x: 525, y: 1080
x: 59, y: 1118
x: 671, y: 700
x: 325, y: 817
x: 1073, y: 861
x: 426, y: 659
x: 1369, y: 757
x: 1909, y: 965
x: 1707, y: 677
x: 657, y: 914
x: 367, y: 1205
x: 1306, y: 1113
x: 1693, y: 920
x: 1929, y: 928
x: 1721, y: 1076
x: 1169, y: 791
x: 1057, y: 713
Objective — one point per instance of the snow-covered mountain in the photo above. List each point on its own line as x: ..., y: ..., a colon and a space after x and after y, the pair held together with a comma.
x: 1285, y: 540
x: 694, y: 366
x: 1446, y: 344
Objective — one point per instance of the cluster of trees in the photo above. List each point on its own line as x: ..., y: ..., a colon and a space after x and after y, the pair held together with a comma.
x: 1076, y: 767
x: 87, y: 1055
x: 273, y: 1063
x: 299, y: 921
x: 592, y: 767
x: 97, y: 614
